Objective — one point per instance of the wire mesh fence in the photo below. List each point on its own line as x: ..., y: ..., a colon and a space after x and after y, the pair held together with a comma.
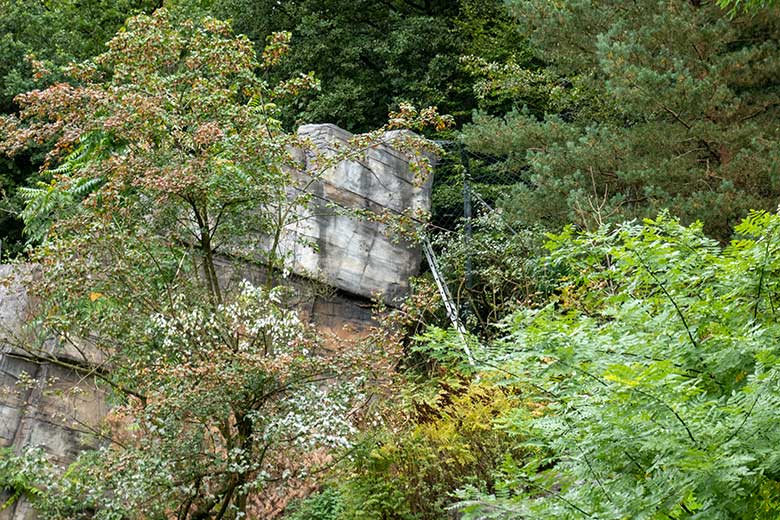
x: 470, y: 190
x: 466, y: 184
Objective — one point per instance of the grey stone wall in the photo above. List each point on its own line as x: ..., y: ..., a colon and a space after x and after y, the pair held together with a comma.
x: 41, y: 403
x: 354, y: 254
x: 61, y: 407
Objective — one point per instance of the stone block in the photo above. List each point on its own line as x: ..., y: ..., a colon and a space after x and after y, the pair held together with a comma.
x: 353, y: 254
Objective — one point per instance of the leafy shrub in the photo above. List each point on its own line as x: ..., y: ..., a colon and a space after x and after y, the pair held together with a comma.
x: 17, y: 477
x: 656, y: 374
x: 55, y: 492
x: 497, y: 270
x: 445, y: 441
x: 325, y: 505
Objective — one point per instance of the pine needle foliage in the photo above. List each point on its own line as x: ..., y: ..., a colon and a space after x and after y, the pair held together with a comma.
x: 654, y: 378
x: 641, y: 106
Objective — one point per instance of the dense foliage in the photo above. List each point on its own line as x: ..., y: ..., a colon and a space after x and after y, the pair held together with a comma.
x: 370, y: 56
x: 746, y: 5
x: 615, y: 363
x: 495, y: 271
x: 642, y: 106
x: 409, y: 472
x: 54, y: 33
x: 654, y: 377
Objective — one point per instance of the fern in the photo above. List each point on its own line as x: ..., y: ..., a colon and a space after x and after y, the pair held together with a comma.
x: 47, y: 202
x: 19, y: 475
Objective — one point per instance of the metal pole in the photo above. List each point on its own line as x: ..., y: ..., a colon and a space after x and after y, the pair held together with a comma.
x: 446, y: 297
x: 464, y: 159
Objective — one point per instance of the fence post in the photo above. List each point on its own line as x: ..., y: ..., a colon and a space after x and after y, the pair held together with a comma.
x: 464, y: 159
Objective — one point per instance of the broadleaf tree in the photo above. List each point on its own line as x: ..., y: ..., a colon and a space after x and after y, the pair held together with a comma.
x: 372, y: 56
x: 54, y: 33
x: 168, y: 160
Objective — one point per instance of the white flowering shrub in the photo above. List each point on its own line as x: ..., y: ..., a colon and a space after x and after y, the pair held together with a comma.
x: 224, y: 391
x: 232, y: 401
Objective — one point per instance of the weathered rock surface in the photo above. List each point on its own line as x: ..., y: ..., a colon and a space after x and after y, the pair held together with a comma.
x: 60, y: 407
x: 349, y: 253
x: 41, y: 403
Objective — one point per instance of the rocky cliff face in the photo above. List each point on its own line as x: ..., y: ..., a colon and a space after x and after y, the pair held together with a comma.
x: 355, y: 255
x: 41, y: 404
x: 59, y: 406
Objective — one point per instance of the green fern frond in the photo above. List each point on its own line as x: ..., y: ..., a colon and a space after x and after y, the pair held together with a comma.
x: 83, y: 187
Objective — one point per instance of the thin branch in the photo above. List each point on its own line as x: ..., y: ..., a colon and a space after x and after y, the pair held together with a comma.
x: 761, y: 276
x: 669, y: 296
x: 677, y: 415
x: 744, y: 419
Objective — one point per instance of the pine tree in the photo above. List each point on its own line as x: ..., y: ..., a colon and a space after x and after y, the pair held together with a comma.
x: 642, y: 106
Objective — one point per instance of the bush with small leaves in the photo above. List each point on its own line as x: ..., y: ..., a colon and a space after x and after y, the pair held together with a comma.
x: 654, y: 373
